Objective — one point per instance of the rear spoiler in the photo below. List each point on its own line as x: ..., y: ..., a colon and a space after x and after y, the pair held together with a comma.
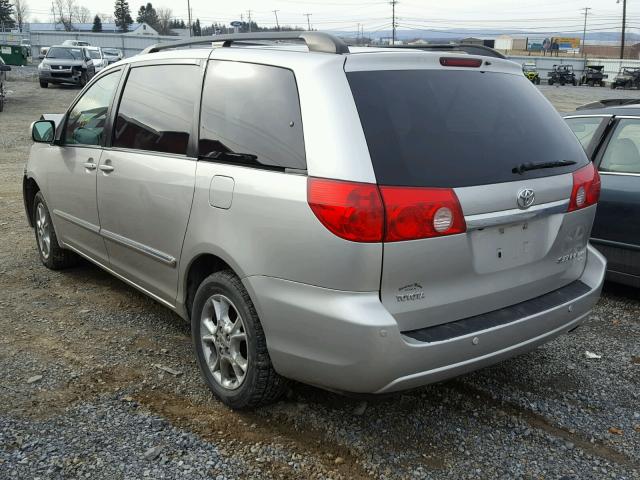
x: 609, y: 102
x: 454, y: 47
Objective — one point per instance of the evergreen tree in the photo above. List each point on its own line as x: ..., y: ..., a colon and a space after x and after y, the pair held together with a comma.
x: 122, y: 15
x: 147, y: 14
x: 197, y: 30
x: 97, y: 24
x: 6, y: 15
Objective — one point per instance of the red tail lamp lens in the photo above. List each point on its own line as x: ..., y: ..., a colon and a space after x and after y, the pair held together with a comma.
x: 415, y: 212
x: 350, y: 210
x: 586, y: 188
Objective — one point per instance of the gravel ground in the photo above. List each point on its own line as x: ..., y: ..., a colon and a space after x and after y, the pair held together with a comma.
x: 84, y: 395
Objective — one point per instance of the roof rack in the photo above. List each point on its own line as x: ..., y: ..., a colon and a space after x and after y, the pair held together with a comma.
x: 609, y: 102
x: 461, y: 47
x: 315, y: 41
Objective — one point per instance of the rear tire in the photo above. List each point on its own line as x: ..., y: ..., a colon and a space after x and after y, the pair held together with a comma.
x: 230, y: 345
x: 51, y: 254
x: 43, y: 84
x: 550, y: 82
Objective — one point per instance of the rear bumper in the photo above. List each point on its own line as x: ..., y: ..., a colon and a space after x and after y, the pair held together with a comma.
x: 348, y: 341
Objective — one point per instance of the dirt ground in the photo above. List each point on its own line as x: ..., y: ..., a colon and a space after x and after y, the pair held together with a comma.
x: 95, y: 341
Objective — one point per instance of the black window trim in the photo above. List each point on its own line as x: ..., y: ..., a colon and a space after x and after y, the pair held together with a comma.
x: 192, y: 146
x: 604, y: 144
x: 62, y: 128
x: 255, y: 166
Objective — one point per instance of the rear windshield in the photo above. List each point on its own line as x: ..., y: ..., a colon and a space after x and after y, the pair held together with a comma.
x: 459, y: 128
x: 94, y: 54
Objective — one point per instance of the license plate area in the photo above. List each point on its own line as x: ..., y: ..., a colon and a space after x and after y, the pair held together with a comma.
x: 509, y: 246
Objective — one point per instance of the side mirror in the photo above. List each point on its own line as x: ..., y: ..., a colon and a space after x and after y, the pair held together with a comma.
x: 41, y: 57
x: 5, y: 68
x: 43, y: 131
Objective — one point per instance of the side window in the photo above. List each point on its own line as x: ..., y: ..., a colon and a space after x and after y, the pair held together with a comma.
x: 251, y: 115
x: 157, y: 108
x: 584, y: 128
x: 85, y: 123
x: 623, y: 151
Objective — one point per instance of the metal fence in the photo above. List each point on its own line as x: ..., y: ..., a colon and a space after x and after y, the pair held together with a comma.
x: 129, y: 44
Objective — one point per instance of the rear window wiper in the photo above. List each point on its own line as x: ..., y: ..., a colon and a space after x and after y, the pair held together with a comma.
x: 525, y: 167
x: 237, y: 157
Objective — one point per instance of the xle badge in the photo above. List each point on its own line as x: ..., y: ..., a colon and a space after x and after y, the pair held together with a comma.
x: 410, y: 293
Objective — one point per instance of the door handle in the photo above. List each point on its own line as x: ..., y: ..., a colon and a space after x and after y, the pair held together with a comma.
x: 106, y: 168
x: 89, y: 165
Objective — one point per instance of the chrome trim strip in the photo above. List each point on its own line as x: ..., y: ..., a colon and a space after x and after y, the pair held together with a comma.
x: 611, y: 243
x: 515, y: 215
x: 120, y: 277
x: 633, y: 117
x: 139, y: 247
x: 603, y: 115
x: 622, y: 174
x: 77, y: 221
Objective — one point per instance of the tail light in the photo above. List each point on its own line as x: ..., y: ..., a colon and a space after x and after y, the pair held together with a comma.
x: 364, y: 212
x: 414, y: 212
x: 460, y: 62
x: 352, y: 211
x: 586, y: 188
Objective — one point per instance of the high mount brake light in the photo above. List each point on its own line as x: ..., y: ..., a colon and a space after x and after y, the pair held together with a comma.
x: 460, y: 62
x: 364, y: 212
x: 586, y: 188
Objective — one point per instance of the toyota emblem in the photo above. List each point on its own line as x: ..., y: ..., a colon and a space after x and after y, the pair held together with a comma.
x: 525, y: 198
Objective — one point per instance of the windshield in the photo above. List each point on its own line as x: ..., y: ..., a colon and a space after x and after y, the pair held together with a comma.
x: 95, y: 54
x: 108, y: 51
x: 65, y: 53
x: 437, y: 128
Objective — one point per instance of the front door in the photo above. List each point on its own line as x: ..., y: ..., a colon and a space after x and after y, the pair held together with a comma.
x: 72, y: 171
x: 146, y: 179
x: 616, y: 223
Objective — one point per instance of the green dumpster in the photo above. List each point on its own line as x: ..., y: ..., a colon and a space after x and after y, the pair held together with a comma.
x: 14, y: 54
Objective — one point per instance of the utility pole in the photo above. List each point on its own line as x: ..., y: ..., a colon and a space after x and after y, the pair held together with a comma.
x: 275, y: 12
x: 393, y: 21
x: 624, y: 26
x: 249, y: 16
x: 308, y: 21
x: 584, y: 32
x: 189, y: 11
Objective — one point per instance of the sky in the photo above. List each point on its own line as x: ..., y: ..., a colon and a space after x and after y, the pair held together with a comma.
x: 535, y: 16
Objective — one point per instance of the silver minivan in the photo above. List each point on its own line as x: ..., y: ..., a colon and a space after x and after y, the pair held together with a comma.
x: 362, y: 220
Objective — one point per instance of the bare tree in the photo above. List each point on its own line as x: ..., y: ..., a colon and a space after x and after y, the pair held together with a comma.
x: 65, y: 12
x: 164, y: 20
x: 105, y: 17
x: 83, y: 15
x: 21, y: 14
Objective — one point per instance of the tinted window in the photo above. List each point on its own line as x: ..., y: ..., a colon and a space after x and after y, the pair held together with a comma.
x: 85, y: 124
x: 623, y: 151
x: 584, y: 128
x: 95, y: 54
x: 157, y: 107
x: 251, y: 110
x: 458, y: 128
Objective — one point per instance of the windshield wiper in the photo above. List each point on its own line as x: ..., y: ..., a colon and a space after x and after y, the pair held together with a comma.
x: 243, y: 157
x: 525, y: 167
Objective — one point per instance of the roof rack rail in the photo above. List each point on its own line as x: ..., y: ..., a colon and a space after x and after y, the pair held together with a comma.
x: 609, y: 102
x: 315, y: 41
x: 462, y: 47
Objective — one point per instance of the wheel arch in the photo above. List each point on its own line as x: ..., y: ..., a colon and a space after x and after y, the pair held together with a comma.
x: 29, y: 190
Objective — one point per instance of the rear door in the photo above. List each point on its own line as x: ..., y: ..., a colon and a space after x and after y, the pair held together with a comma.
x: 146, y: 177
x: 475, y: 133
x: 617, y: 224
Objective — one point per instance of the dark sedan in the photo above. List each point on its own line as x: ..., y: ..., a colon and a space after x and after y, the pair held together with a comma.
x: 610, y: 134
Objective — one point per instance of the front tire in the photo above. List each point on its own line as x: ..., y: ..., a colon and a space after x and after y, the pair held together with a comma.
x: 230, y: 345
x: 44, y: 84
x: 51, y: 254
